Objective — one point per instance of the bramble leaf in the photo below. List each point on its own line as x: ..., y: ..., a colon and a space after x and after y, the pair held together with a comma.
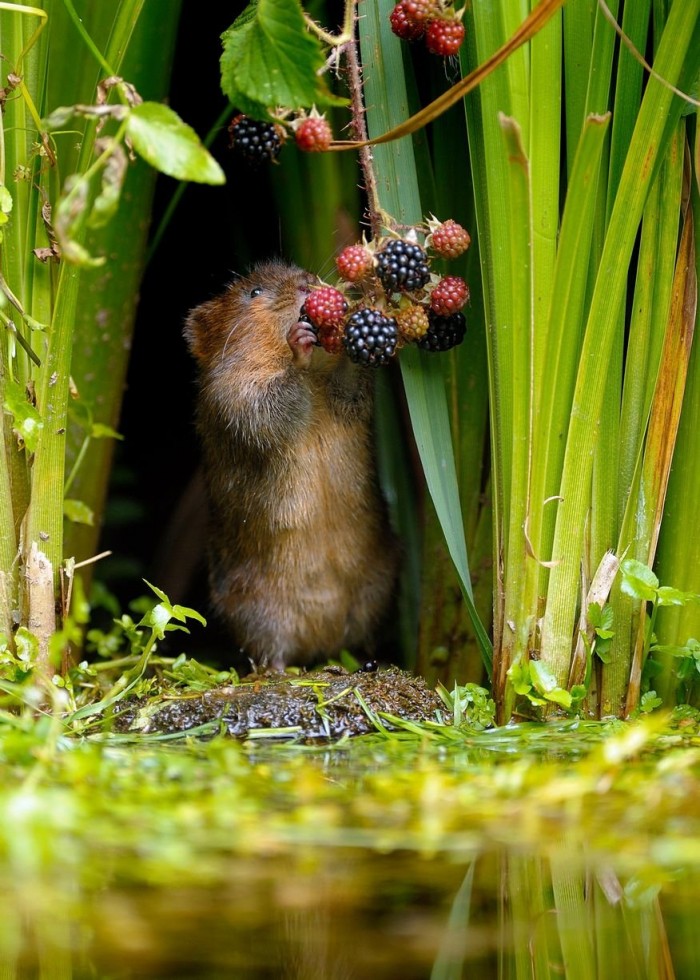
x: 170, y: 145
x: 27, y: 422
x: 638, y: 580
x: 270, y: 59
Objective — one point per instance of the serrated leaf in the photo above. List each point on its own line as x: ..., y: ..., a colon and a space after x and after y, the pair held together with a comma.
x: 170, y: 145
x: 594, y: 614
x: 638, y: 580
x: 271, y: 58
x: 78, y: 512
x: 27, y: 422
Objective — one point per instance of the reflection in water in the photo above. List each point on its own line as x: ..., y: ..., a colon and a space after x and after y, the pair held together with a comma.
x: 350, y: 914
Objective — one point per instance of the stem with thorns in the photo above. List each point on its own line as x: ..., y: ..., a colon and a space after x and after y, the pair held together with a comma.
x: 354, y: 75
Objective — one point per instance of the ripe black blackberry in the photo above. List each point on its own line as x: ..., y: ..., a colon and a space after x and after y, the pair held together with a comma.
x: 444, y: 332
x: 370, y: 337
x: 256, y: 141
x: 402, y: 265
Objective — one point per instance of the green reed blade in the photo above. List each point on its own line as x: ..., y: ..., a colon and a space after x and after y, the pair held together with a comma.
x: 658, y: 112
x: 387, y: 104
x: 678, y: 561
x: 564, y: 338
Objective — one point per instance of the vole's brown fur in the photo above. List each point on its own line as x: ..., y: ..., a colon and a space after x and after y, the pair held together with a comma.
x: 302, y: 560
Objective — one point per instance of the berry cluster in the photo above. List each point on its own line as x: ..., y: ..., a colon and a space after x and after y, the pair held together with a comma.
x: 389, y: 297
x: 259, y: 141
x: 434, y: 21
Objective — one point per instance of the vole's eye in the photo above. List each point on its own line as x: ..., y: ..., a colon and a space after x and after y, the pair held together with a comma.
x: 255, y: 291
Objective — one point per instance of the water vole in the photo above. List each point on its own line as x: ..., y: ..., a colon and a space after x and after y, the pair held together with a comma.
x: 302, y: 558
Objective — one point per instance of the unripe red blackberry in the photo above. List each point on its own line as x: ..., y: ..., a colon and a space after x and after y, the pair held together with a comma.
x: 449, y: 239
x: 370, y: 337
x: 403, y: 24
x: 254, y: 140
x: 325, y: 307
x: 354, y: 263
x: 402, y: 265
x: 313, y: 134
x: 444, y: 37
x: 449, y: 295
x: 331, y: 340
x: 412, y: 323
x: 444, y: 332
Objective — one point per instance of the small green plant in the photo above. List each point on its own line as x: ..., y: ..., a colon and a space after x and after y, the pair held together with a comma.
x: 640, y: 583
x: 71, y: 193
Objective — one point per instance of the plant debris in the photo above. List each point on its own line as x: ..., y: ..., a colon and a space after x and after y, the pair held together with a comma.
x: 329, y: 703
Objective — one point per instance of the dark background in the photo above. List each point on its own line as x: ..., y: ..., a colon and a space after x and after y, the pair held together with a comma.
x: 213, y: 233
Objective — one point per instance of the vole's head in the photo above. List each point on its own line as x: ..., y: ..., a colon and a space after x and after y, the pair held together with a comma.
x: 252, y: 318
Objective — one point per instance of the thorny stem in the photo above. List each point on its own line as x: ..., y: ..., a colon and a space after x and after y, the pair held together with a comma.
x: 335, y: 40
x: 354, y: 73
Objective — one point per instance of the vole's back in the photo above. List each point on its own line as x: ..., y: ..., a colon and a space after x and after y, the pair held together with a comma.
x: 302, y: 557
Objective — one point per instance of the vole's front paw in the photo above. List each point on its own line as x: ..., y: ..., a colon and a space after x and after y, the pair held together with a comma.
x: 302, y: 340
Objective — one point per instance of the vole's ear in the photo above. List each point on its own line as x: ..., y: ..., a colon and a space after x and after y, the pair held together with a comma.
x: 195, y: 331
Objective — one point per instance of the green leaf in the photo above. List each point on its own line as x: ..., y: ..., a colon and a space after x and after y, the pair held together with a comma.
x: 601, y: 619
x: 5, y: 206
x: 27, y: 420
x: 101, y: 431
x: 170, y: 145
x: 184, y: 612
x: 543, y: 678
x: 638, y: 580
x: 650, y: 701
x: 545, y: 683
x: 69, y: 218
x: 690, y: 649
x: 603, y: 653
x: 519, y: 675
x: 27, y: 645
x: 270, y: 57
x: 667, y: 596
x: 78, y: 512
x: 113, y: 174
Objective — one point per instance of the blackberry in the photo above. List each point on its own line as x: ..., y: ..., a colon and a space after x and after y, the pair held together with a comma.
x: 313, y: 134
x: 370, y: 338
x: 444, y: 332
x: 444, y: 37
x: 353, y: 263
x: 325, y: 307
x: 448, y: 239
x: 402, y: 25
x: 256, y: 141
x: 449, y: 295
x: 412, y: 323
x: 402, y: 265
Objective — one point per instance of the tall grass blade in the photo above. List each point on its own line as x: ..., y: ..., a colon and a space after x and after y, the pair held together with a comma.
x: 397, y: 187
x: 658, y: 114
